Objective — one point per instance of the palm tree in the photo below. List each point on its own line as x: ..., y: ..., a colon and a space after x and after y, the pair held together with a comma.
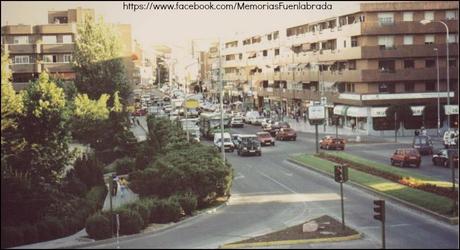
x: 399, y: 113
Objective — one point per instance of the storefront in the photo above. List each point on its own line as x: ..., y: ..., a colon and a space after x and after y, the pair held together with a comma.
x: 357, y: 117
x: 417, y: 119
x: 341, y: 112
x: 452, y: 111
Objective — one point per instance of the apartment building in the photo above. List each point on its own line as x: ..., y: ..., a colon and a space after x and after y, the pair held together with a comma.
x: 357, y: 64
x: 50, y: 47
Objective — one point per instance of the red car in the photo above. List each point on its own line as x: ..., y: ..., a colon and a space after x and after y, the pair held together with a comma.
x: 265, y: 138
x: 329, y: 142
x: 139, y: 112
x: 405, y: 157
x: 286, y: 134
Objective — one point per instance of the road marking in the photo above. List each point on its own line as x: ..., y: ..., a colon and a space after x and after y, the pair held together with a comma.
x: 279, y: 183
x: 240, y: 176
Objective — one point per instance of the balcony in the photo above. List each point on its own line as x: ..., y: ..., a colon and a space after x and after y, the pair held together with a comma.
x: 57, y: 28
x: 57, y: 67
x: 408, y: 51
x: 387, y: 98
x: 374, y: 28
x: 21, y: 48
x: 375, y: 75
x: 17, y: 29
x: 26, y: 68
x: 58, y: 48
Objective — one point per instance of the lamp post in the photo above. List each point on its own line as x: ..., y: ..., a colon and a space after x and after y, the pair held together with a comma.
x: 424, y: 22
x: 437, y: 74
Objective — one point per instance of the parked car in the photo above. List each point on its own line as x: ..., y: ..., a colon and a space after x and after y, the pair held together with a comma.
x: 450, y: 138
x: 423, y: 144
x: 330, y: 142
x: 251, y: 117
x: 139, y: 112
x: 286, y: 134
x: 405, y: 157
x: 228, y: 144
x: 267, y: 125
x: 235, y: 140
x: 237, y: 122
x: 265, y: 138
x: 275, y: 127
x: 167, y: 108
x: 248, y: 145
x: 441, y: 158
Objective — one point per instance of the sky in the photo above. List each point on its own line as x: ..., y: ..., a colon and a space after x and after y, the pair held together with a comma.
x: 177, y: 27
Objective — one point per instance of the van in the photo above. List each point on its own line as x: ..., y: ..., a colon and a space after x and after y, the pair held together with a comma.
x: 423, y: 144
x: 228, y: 144
x: 450, y: 138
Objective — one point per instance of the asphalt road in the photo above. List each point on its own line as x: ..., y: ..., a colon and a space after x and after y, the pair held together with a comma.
x: 269, y: 194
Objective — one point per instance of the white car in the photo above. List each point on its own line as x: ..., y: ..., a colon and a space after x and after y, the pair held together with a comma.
x: 251, y: 117
x: 228, y: 144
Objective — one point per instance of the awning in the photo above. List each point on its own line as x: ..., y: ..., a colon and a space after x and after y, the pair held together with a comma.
x: 379, y: 111
x: 357, y: 111
x: 451, y: 109
x: 340, y: 110
x: 417, y: 110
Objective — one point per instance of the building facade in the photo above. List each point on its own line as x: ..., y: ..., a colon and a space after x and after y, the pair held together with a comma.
x: 356, y: 64
x: 50, y: 47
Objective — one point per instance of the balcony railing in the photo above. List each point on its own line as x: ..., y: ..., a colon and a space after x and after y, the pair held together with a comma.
x: 58, y: 67
x: 58, y: 48
x: 376, y: 75
x: 404, y: 51
x: 375, y: 28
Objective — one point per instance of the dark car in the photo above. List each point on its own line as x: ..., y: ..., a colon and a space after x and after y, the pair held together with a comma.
x: 423, y: 144
x: 248, y: 145
x: 405, y: 157
x: 265, y: 138
x: 275, y: 127
x: 286, y: 134
x: 441, y: 158
x: 330, y: 142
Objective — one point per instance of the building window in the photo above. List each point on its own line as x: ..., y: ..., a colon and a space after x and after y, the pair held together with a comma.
x: 452, y: 63
x: 49, y: 58
x: 383, y: 88
x: 408, y: 40
x: 408, y: 16
x: 354, y: 41
x: 386, y: 18
x: 430, y: 85
x: 21, y: 40
x: 49, y: 39
x: 240, y: 56
x: 67, y: 39
x: 387, y: 66
x: 277, y: 52
x: 386, y: 42
x: 429, y: 39
x: 344, y: 43
x: 408, y: 64
x: 429, y: 15
x: 352, y: 65
x: 451, y: 15
x: 265, y: 53
x: 452, y: 38
x: 409, y: 87
x: 67, y: 58
x: 430, y: 63
x: 21, y: 60
x: 275, y: 35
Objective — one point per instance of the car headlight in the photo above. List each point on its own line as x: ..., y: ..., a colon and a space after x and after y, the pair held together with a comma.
x: 258, y: 148
x: 244, y: 148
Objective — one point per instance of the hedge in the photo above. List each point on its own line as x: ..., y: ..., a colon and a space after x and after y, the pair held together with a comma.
x: 98, y: 226
x: 12, y: 236
x: 124, y: 165
x: 130, y: 221
x: 187, y: 201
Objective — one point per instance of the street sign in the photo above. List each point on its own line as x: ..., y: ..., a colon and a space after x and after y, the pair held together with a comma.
x: 316, y: 112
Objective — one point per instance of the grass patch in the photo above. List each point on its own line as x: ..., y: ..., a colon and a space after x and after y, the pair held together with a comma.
x: 430, y: 201
x: 390, y: 169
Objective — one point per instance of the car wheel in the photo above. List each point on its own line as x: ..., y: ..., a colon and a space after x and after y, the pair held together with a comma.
x: 259, y: 154
x: 273, y: 143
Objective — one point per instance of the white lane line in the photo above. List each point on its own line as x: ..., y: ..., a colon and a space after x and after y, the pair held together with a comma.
x: 279, y: 183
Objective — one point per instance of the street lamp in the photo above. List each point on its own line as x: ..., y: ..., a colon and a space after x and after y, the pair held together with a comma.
x: 437, y: 73
x: 424, y: 22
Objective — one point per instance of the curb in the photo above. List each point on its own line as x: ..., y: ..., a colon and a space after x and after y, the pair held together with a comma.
x: 139, y: 235
x: 450, y: 220
x: 292, y: 242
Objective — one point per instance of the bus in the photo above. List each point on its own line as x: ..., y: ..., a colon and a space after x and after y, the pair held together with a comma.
x: 210, y: 124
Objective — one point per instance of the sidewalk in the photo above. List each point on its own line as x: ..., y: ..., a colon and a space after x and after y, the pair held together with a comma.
x: 305, y: 127
x: 81, y: 237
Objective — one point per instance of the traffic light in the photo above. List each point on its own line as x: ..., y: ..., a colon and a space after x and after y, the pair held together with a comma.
x: 340, y: 173
x: 379, y: 209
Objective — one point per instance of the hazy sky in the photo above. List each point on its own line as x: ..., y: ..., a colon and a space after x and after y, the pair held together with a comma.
x: 176, y: 27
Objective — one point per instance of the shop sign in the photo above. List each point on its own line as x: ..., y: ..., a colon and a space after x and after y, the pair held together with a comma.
x: 316, y: 112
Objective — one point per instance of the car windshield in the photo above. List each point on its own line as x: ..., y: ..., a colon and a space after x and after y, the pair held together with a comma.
x: 264, y: 135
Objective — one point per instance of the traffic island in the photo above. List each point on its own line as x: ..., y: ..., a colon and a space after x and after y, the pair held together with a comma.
x: 322, y: 229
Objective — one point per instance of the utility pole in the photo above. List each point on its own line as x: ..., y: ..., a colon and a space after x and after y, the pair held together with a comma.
x: 221, y: 106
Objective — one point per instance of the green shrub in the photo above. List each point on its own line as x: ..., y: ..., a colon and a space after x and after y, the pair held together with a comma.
x: 96, y: 196
x: 55, y: 227
x: 75, y: 186
x: 165, y: 210
x: 30, y: 233
x: 98, y: 226
x: 187, y: 201
x: 143, y: 208
x: 12, y: 236
x: 124, y: 165
x: 71, y: 225
x: 130, y: 221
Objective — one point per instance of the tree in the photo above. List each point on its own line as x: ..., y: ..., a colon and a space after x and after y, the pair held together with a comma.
x: 98, y: 65
x: 430, y: 113
x: 399, y: 113
x: 45, y: 129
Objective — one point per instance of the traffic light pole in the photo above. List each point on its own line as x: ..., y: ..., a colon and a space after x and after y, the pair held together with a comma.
x: 383, y: 234
x: 343, y: 211
x: 316, y: 136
